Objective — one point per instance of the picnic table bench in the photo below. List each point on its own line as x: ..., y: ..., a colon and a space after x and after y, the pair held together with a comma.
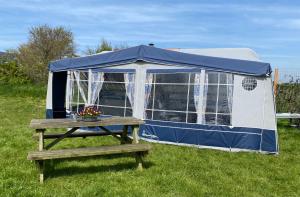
x: 128, y: 145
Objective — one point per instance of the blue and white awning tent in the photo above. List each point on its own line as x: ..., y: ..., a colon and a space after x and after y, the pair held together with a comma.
x: 185, y: 99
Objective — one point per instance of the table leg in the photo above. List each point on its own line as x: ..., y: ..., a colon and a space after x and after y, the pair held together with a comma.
x: 135, y: 140
x: 135, y: 137
x: 124, y: 135
x: 139, y: 161
x: 41, y: 138
x: 41, y: 164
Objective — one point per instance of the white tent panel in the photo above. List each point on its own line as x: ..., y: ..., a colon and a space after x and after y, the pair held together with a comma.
x: 270, y: 111
x: 255, y: 107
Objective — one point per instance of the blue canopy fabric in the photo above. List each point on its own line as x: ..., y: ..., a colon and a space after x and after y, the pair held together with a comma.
x: 162, y: 56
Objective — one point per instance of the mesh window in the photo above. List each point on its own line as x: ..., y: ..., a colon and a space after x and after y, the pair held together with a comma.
x: 112, y: 98
x: 173, y: 78
x: 218, y: 98
x: 113, y: 94
x: 115, y: 111
x: 169, y: 116
x: 249, y: 83
x: 223, y: 99
x: 77, y: 100
x: 171, y: 98
x: 192, y: 118
x: 114, y: 77
x: 211, y: 98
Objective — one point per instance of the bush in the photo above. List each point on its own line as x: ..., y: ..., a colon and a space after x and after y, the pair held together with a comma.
x: 288, y: 99
x: 11, y: 73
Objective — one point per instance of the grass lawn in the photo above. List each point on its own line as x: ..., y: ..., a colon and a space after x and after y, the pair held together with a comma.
x: 170, y: 170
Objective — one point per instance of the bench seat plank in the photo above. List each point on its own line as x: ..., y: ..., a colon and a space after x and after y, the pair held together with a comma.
x: 91, y: 151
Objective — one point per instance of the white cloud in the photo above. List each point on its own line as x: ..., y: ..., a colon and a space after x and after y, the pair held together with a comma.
x: 290, y: 23
x: 143, y: 12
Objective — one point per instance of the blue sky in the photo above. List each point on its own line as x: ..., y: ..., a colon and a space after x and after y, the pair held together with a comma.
x: 271, y: 28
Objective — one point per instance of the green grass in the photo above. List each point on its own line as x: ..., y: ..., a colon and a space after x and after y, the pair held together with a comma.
x: 170, y: 170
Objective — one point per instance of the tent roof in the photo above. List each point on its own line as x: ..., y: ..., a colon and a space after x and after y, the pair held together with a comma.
x: 162, y: 56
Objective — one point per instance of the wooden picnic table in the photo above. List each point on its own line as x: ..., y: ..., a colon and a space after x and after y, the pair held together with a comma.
x: 128, y: 145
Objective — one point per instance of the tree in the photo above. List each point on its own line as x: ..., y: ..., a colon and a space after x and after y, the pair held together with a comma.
x: 103, y: 46
x: 44, y: 45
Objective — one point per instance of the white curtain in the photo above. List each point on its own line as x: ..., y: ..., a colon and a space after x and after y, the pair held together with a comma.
x: 204, y: 98
x: 96, y: 80
x: 80, y: 86
x: 197, y: 95
x: 129, y: 79
x: 90, y: 88
x: 148, y: 87
x: 229, y: 91
x: 69, y: 91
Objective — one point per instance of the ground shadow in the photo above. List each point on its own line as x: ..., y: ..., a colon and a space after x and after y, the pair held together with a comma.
x: 106, y: 157
x: 51, y: 171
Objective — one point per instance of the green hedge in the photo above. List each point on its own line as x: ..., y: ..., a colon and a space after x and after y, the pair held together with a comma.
x: 11, y: 73
x: 288, y: 99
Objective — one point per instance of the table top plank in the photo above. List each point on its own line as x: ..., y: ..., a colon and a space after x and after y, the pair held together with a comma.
x: 68, y: 123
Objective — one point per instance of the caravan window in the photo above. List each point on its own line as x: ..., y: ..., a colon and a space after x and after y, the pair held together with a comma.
x: 113, y: 93
x: 169, y: 97
x: 217, y: 101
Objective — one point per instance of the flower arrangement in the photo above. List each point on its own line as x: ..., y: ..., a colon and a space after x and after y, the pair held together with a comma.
x: 89, y: 113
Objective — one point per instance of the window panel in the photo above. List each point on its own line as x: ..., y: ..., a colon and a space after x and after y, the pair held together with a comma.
x: 219, y: 87
x: 84, y: 85
x: 169, y: 116
x: 115, y: 77
x: 150, y: 100
x: 149, y: 114
x: 191, y: 107
x: 223, y: 119
x: 212, y: 77
x: 226, y: 78
x: 112, y: 111
x: 210, y: 118
x: 74, y: 107
x: 76, y: 95
x: 223, y: 78
x: 128, y: 112
x: 171, y: 97
x: 172, y: 78
x: 113, y: 95
x: 175, y: 101
x: 223, y: 99
x: 192, y: 118
x: 83, y: 75
x: 211, y: 98
x: 75, y: 92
